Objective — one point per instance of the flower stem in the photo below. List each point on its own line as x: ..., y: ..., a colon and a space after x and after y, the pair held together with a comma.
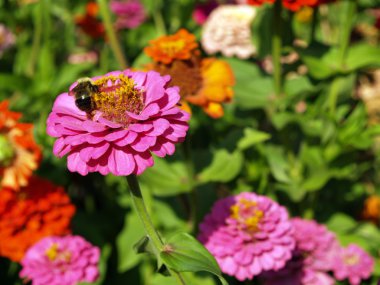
x: 314, y: 22
x: 37, y: 36
x: 186, y: 148
x: 158, y: 19
x: 138, y: 202
x: 346, y: 26
x: 111, y: 33
x: 277, y: 47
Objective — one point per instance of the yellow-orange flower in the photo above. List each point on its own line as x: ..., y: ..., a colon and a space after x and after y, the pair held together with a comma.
x: 371, y: 210
x: 206, y: 82
x: 19, y: 154
x: 165, y: 49
x: 41, y: 209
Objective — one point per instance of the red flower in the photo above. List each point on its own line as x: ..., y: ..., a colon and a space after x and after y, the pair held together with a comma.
x: 89, y: 22
x: 41, y: 209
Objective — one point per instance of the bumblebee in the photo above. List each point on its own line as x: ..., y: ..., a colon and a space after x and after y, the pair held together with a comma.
x: 84, y: 92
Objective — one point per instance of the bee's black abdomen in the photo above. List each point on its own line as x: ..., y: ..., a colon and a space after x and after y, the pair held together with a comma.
x: 84, y: 103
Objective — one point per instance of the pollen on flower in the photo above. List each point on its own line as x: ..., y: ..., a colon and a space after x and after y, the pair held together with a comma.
x: 247, y: 213
x: 351, y: 259
x: 118, y: 95
x: 53, y: 253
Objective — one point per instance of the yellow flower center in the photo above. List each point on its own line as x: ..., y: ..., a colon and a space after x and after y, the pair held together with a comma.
x: 351, y: 259
x: 7, y: 152
x: 118, y: 95
x: 172, y: 47
x: 53, y: 253
x: 246, y: 212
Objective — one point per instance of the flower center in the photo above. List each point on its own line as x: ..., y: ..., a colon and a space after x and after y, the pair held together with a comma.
x: 351, y: 259
x: 117, y: 96
x: 53, y: 253
x: 7, y: 152
x: 184, y: 74
x: 247, y: 214
x: 171, y: 48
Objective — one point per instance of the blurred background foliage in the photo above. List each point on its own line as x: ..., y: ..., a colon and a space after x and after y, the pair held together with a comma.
x: 313, y: 149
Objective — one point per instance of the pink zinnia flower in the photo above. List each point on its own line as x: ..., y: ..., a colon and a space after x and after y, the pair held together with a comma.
x: 64, y: 260
x: 354, y: 264
x: 130, y: 13
x: 135, y: 114
x: 248, y: 234
x: 312, y: 257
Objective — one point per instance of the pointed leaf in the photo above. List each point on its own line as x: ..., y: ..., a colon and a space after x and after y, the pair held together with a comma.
x: 183, y: 253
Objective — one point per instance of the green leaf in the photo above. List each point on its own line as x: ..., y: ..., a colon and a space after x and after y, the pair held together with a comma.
x: 252, y: 137
x: 362, y: 55
x: 278, y: 163
x: 166, y: 178
x: 322, y: 61
x: 341, y: 223
x: 125, y: 241
x: 189, y: 278
x: 183, y: 253
x: 224, y: 167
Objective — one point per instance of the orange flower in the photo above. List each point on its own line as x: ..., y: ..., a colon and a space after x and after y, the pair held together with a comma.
x: 371, y: 209
x: 218, y: 79
x: 19, y: 154
x: 166, y: 49
x: 41, y: 209
x: 206, y: 82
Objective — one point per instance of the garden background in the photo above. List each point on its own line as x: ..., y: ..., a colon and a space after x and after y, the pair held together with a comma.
x: 284, y: 99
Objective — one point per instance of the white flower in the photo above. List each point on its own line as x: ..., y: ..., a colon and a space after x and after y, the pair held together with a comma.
x: 228, y: 30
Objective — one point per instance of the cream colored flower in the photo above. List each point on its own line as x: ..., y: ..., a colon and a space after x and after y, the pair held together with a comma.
x: 228, y: 30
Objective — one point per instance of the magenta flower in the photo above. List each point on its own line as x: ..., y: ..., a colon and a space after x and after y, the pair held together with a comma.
x: 7, y: 39
x: 354, y: 264
x: 130, y: 13
x: 203, y: 10
x: 248, y: 234
x: 135, y: 115
x: 64, y: 260
x: 312, y: 258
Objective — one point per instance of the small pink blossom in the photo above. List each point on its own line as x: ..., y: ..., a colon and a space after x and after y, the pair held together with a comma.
x: 354, y: 264
x: 248, y: 234
x: 130, y: 13
x: 64, y: 260
x: 7, y: 39
x: 312, y: 257
x: 136, y: 115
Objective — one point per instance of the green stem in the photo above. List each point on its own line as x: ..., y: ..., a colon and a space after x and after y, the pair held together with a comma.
x: 277, y: 47
x: 314, y: 22
x: 37, y: 36
x: 193, y: 200
x: 138, y: 202
x: 111, y: 33
x: 346, y: 27
x: 333, y: 96
x: 158, y: 19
